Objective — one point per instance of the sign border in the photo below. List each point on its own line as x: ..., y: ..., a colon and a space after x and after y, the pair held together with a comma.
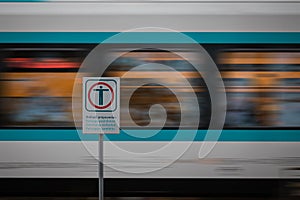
x: 116, y: 96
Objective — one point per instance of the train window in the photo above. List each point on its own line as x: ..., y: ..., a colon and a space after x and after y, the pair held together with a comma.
x: 140, y: 101
x: 36, y: 86
x: 262, y: 86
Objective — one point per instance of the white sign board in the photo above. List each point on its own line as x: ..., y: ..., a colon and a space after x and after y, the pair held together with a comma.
x: 101, y: 105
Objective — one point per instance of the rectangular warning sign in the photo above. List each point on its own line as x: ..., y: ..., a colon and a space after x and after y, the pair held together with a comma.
x: 101, y: 105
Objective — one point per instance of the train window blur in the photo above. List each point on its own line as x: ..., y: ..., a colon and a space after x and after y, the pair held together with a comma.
x: 36, y: 85
x: 262, y: 85
x: 270, y: 97
x: 140, y: 101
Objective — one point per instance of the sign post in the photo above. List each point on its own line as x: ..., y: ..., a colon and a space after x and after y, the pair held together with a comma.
x: 101, y: 168
x: 101, y: 113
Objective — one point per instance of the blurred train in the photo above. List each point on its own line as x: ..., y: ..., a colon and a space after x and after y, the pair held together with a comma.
x: 255, y: 45
x: 262, y: 85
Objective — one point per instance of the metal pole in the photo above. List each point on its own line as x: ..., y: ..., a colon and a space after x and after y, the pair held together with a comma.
x: 101, y: 178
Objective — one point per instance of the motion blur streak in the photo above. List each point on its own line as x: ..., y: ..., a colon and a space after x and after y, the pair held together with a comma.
x: 262, y: 85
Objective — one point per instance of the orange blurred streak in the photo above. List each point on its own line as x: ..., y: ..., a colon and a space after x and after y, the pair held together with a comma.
x: 38, y: 84
x: 253, y: 58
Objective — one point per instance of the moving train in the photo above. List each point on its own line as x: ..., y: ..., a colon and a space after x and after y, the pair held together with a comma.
x: 256, y: 49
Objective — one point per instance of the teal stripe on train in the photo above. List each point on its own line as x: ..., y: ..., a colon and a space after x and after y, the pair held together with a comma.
x: 163, y: 135
x: 161, y: 37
